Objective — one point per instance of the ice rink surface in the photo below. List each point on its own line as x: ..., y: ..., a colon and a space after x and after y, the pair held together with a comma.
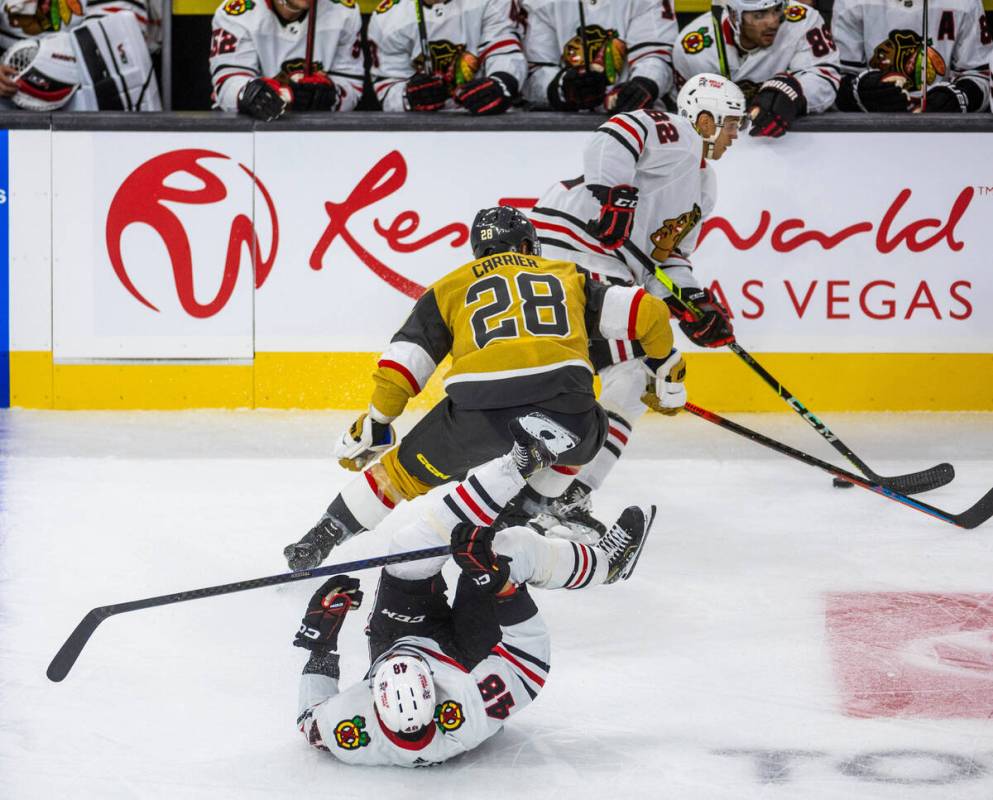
x: 779, y: 639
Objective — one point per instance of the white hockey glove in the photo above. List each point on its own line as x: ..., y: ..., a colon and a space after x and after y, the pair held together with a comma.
x: 666, y: 392
x: 368, y: 436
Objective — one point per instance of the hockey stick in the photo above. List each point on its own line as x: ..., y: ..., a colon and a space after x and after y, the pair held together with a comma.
x: 911, y: 483
x: 422, y: 33
x: 924, y: 57
x: 972, y: 517
x: 308, y: 62
x: 69, y: 652
x: 583, y: 42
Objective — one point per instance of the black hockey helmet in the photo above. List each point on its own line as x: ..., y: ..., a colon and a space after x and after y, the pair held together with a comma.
x: 501, y: 230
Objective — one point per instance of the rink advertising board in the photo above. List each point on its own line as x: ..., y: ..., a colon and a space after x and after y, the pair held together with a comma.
x: 269, y: 268
x: 4, y: 273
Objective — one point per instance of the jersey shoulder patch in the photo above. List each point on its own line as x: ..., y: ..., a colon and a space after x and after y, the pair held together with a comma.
x: 795, y: 13
x: 697, y: 40
x: 347, y: 3
x: 235, y: 8
x: 385, y: 5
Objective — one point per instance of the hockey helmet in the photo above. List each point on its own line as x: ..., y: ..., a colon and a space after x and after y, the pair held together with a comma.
x: 47, y: 72
x: 718, y: 96
x: 738, y: 7
x: 403, y: 693
x: 501, y: 230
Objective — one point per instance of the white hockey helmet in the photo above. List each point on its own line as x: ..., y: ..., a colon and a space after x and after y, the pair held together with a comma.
x: 47, y: 72
x: 403, y: 693
x: 737, y: 7
x: 718, y: 96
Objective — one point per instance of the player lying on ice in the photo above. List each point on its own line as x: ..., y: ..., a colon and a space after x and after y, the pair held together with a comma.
x: 444, y: 679
x: 518, y: 328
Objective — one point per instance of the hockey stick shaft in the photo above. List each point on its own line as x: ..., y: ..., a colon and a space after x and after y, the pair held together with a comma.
x: 422, y: 33
x: 69, y: 652
x: 308, y: 62
x: 925, y: 35
x: 912, y: 483
x: 970, y: 518
x: 583, y: 40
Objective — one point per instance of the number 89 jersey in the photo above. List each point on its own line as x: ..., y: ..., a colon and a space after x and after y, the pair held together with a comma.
x: 516, y: 326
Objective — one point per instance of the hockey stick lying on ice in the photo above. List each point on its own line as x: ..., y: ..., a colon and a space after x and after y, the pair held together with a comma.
x: 970, y: 518
x: 69, y: 652
x: 911, y: 483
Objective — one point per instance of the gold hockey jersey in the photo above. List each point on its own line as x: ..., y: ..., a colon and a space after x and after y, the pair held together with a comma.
x: 518, y: 328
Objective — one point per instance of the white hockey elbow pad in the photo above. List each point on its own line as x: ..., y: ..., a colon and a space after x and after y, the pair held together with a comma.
x: 670, y: 391
x: 365, y: 440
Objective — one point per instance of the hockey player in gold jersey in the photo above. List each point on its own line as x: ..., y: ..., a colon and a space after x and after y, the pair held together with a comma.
x: 517, y: 327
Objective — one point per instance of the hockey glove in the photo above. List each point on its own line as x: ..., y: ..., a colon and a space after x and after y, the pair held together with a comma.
x: 326, y: 613
x: 492, y: 95
x: 873, y: 90
x: 630, y: 96
x: 315, y: 92
x: 577, y: 88
x: 713, y: 328
x: 618, y: 204
x: 777, y: 103
x: 665, y: 392
x: 363, y: 442
x: 426, y: 92
x: 265, y: 99
x: 946, y: 99
x: 472, y: 550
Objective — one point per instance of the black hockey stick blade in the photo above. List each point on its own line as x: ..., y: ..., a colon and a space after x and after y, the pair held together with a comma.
x: 69, y: 652
x: 972, y: 517
x: 916, y: 482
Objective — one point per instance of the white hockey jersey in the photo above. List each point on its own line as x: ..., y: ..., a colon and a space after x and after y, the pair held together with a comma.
x: 471, y: 705
x: 250, y: 40
x: 803, y: 48
x: 22, y: 19
x: 467, y: 39
x: 660, y: 154
x: 886, y: 34
x: 640, y: 34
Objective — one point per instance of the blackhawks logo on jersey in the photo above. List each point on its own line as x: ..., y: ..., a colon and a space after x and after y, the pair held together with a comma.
x: 384, y: 6
x: 673, y: 231
x: 349, y: 733
x: 604, y: 49
x: 238, y: 7
x: 346, y: 3
x: 795, y: 13
x: 903, y: 52
x: 452, y: 61
x: 449, y: 716
x: 695, y: 41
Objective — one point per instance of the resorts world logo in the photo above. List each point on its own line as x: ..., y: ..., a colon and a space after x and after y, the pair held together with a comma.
x: 389, y: 248
x: 141, y: 199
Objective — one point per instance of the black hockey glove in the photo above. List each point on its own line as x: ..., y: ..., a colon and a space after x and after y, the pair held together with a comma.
x: 326, y: 613
x: 777, y: 103
x: 315, y: 92
x: 426, y: 92
x: 265, y: 99
x: 946, y: 99
x: 490, y: 95
x: 577, y: 88
x: 873, y: 90
x: 472, y: 550
x: 713, y: 328
x: 630, y: 96
x: 613, y: 227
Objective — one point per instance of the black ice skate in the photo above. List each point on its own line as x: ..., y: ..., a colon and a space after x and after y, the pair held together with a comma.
x: 567, y: 516
x: 624, y: 541
x: 315, y: 546
x: 538, y: 442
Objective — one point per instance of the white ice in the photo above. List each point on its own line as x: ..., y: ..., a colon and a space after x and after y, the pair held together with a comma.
x: 707, y: 675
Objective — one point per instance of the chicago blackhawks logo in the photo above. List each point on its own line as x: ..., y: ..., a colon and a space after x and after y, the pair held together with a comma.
x: 346, y: 3
x: 673, y: 231
x: 349, y: 734
x: 795, y: 13
x: 605, y: 51
x: 903, y: 53
x: 452, y: 61
x: 43, y: 16
x: 384, y: 6
x: 238, y: 7
x: 449, y: 716
x: 695, y: 41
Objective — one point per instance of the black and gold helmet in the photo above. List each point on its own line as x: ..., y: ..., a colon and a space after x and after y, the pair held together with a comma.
x: 502, y: 230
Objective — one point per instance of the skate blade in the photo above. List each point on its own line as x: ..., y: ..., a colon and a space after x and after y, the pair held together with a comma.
x: 629, y: 567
